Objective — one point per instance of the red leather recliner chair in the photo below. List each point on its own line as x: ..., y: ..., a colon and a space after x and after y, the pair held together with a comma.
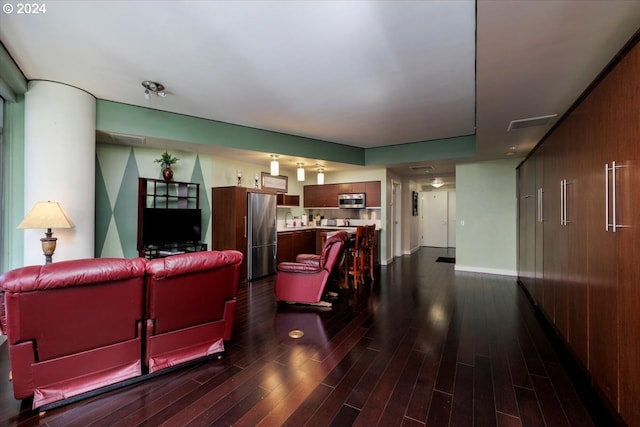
x: 305, y: 282
x: 191, y: 306
x: 73, y: 326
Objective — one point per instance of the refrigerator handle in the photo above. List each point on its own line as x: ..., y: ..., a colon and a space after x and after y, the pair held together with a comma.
x: 245, y: 226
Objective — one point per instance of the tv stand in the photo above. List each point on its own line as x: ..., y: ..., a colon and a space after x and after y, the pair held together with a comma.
x: 161, y: 251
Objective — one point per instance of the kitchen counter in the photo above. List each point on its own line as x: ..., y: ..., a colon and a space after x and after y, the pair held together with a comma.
x: 350, y: 229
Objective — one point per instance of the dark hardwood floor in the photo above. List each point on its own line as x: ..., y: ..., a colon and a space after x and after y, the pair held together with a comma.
x: 422, y: 345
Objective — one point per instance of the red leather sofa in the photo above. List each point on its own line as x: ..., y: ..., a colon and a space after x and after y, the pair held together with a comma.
x: 78, y: 326
x: 190, y: 306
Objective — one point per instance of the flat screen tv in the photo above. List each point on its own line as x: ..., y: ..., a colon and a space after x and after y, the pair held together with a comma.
x: 166, y: 226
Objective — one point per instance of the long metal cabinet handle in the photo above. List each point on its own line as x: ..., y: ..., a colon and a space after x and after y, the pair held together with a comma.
x: 613, y: 195
x: 566, y: 220
x: 245, y: 226
x: 562, y: 202
x: 540, y: 204
x: 606, y: 197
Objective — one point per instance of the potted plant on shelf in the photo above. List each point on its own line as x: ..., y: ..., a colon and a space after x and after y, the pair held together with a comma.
x: 166, y: 160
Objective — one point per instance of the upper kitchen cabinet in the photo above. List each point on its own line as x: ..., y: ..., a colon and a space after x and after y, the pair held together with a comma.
x: 326, y: 196
x: 288, y: 200
x: 372, y: 189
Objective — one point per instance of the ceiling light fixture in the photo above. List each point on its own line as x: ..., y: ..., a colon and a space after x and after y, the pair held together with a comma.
x: 300, y: 172
x: 513, y: 150
x: 153, y: 87
x: 320, y: 176
x: 275, y: 165
x: 437, y: 183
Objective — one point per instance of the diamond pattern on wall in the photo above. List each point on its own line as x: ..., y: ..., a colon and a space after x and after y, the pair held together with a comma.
x: 103, y: 211
x: 117, y: 172
x: 125, y: 211
x: 198, y: 177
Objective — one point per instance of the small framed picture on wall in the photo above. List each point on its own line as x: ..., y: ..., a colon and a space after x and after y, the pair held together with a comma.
x: 279, y: 183
x: 414, y: 203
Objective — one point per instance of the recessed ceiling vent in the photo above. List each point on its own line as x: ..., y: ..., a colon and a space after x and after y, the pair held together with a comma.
x: 423, y: 169
x: 122, y: 139
x: 531, y: 122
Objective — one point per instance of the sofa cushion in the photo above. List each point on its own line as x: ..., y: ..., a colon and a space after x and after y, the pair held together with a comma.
x: 192, y: 262
x: 65, y: 274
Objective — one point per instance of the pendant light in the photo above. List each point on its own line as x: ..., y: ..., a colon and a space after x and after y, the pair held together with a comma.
x: 320, y: 176
x: 275, y: 165
x: 300, y: 172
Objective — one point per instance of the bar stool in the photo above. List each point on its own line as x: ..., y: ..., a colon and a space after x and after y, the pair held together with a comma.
x: 369, y: 250
x: 356, y: 256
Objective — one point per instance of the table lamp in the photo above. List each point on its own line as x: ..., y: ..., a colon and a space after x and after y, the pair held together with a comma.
x: 47, y: 215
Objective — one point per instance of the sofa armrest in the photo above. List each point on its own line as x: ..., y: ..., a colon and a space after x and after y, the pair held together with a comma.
x: 311, y: 259
x: 296, y: 267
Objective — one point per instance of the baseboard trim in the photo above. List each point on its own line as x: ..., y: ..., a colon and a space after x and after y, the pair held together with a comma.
x: 497, y: 271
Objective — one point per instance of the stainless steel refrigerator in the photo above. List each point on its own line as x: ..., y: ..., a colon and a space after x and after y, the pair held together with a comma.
x: 262, y: 235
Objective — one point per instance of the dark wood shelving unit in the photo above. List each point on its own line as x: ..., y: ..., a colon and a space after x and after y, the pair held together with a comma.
x: 156, y: 193
x: 160, y: 194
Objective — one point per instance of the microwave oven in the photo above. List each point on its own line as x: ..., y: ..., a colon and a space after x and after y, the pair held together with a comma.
x: 351, y: 201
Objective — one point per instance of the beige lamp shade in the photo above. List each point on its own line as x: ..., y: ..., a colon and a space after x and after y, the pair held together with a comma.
x: 46, y: 215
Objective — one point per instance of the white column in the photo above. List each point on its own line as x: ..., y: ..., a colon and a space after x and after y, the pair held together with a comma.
x: 60, y: 128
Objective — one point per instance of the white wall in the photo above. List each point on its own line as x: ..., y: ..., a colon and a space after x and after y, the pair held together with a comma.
x: 59, y: 153
x: 487, y: 206
x: 451, y: 219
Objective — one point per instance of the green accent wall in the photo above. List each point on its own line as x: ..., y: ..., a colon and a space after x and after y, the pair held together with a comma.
x: 117, y: 171
x: 132, y: 120
x: 487, y: 203
x: 437, y: 149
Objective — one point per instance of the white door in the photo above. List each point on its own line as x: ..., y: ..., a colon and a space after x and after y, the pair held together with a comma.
x: 434, y: 219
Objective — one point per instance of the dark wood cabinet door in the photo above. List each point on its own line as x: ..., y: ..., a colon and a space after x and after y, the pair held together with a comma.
x: 285, y: 248
x: 374, y: 198
x: 552, y: 239
x: 539, y: 238
x: 625, y: 130
x: 576, y: 277
x: 598, y: 149
x: 310, y: 195
x: 328, y: 196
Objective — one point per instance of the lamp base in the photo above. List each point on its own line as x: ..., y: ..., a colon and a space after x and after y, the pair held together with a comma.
x: 48, y: 245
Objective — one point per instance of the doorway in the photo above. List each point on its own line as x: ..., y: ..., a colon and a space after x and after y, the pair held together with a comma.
x: 396, y: 214
x: 434, y: 220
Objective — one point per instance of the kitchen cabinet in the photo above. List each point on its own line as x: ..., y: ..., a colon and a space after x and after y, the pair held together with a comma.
x: 229, y: 220
x: 374, y: 199
x: 321, y: 196
x: 538, y: 163
x: 588, y: 170
x: 288, y: 200
x: 326, y: 196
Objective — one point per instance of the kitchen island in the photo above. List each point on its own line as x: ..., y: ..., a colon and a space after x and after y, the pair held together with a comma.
x: 305, y: 239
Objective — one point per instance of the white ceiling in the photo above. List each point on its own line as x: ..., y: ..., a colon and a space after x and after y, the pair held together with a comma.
x: 361, y: 73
